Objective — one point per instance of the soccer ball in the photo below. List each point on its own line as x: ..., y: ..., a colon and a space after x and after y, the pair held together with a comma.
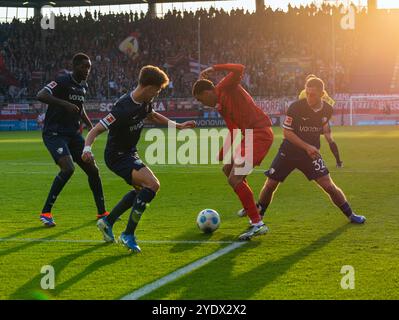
x: 208, y: 220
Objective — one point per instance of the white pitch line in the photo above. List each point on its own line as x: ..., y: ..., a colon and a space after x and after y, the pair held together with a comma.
x: 180, y: 272
x: 101, y: 241
x: 207, y: 171
x: 199, y: 168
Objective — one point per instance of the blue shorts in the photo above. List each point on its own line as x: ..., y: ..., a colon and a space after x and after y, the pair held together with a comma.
x: 283, y: 165
x: 123, y: 163
x: 61, y: 145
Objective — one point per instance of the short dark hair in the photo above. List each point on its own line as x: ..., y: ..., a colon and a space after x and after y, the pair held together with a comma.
x: 153, y: 76
x: 78, y: 58
x: 202, y: 85
x: 315, y: 83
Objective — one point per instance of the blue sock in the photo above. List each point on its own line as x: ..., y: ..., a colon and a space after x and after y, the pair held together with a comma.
x: 97, y: 190
x: 144, y: 197
x: 126, y: 203
x: 262, y: 208
x: 346, y: 209
x: 58, y: 184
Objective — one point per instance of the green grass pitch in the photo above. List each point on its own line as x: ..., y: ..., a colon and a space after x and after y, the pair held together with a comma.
x: 300, y: 258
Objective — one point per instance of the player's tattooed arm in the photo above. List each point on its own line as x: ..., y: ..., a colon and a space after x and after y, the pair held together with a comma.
x: 158, y: 118
x: 86, y: 119
x: 87, y: 154
x: 312, y: 151
x: 46, y: 97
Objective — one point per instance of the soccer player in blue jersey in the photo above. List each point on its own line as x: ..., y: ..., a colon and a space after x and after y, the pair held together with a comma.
x: 327, y: 132
x: 125, y: 123
x: 61, y: 133
x: 305, y: 122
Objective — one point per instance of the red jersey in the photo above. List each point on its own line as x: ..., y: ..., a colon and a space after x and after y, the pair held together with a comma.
x: 236, y: 106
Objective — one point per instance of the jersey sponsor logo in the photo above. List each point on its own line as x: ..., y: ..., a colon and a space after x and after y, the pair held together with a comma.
x: 83, y: 90
x: 109, y: 119
x: 60, y: 150
x: 76, y: 97
x: 288, y: 121
x: 309, y: 129
x: 137, y: 126
x: 52, y: 85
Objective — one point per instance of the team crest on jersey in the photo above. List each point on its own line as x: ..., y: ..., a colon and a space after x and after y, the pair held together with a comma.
x: 52, y: 84
x: 288, y: 121
x: 109, y: 119
x: 324, y: 119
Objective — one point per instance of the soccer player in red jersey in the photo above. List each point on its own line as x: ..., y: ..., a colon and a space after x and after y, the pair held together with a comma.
x: 240, y: 112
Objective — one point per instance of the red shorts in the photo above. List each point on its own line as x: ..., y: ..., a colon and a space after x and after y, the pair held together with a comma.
x: 262, y: 139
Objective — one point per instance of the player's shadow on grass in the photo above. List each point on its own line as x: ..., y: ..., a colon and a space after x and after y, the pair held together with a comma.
x: 240, y: 285
x: 164, y: 291
x: 271, y: 270
x: 59, y: 264
x: 23, y: 232
x: 193, y: 238
x: 96, y: 265
x: 27, y: 245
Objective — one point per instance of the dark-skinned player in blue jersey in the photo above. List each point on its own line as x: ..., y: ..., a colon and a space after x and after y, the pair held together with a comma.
x: 65, y: 98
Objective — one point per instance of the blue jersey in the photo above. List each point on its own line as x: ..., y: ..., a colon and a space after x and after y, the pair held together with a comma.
x: 58, y: 119
x: 306, y: 123
x: 125, y: 122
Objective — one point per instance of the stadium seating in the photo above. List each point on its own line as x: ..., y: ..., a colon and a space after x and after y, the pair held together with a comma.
x: 279, y: 49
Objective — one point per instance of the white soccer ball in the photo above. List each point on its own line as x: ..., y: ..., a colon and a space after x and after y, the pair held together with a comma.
x: 208, y: 220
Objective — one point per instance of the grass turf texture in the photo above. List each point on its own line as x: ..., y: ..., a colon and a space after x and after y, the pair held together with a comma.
x: 301, y: 257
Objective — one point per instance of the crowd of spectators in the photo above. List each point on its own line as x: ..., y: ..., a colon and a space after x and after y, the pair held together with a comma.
x: 278, y: 49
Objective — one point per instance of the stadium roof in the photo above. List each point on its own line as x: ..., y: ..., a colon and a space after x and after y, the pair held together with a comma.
x: 73, y: 3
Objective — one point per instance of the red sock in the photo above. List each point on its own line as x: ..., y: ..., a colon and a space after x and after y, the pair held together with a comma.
x: 246, y: 196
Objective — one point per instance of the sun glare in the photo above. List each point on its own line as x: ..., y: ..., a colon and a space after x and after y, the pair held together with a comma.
x: 388, y: 4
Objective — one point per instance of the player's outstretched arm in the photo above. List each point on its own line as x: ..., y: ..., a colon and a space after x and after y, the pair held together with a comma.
x: 46, y: 97
x: 234, y: 77
x: 312, y: 151
x: 230, y: 67
x: 87, y: 154
x: 206, y: 73
x: 158, y: 118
